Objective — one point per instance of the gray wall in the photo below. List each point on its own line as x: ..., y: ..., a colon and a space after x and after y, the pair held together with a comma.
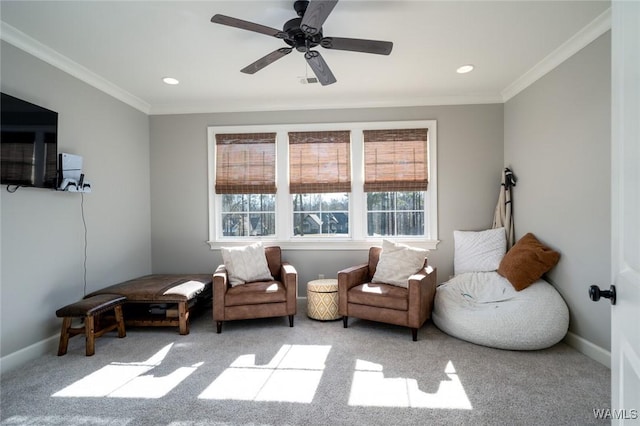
x: 558, y: 141
x: 470, y: 160
x: 42, y: 230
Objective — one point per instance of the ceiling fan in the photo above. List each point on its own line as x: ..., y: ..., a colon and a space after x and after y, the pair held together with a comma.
x: 303, y: 34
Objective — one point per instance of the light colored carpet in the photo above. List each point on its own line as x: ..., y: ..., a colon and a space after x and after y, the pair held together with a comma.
x: 262, y: 372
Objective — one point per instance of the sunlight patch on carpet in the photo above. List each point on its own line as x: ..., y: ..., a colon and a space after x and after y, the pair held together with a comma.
x: 129, y: 380
x: 292, y: 375
x: 371, y: 389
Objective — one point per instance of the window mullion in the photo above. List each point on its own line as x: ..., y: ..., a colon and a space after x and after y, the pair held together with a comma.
x: 430, y: 201
x: 284, y: 206
x: 214, y: 200
x: 358, y: 204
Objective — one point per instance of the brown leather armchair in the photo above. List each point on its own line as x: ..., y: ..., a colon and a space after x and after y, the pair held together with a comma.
x: 409, y: 307
x: 262, y: 299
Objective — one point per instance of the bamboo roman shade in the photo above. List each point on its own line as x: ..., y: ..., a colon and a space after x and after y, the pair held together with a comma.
x: 319, y: 162
x: 395, y: 160
x: 246, y: 163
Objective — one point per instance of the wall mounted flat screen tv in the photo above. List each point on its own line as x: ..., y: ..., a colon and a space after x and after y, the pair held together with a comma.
x: 29, y: 144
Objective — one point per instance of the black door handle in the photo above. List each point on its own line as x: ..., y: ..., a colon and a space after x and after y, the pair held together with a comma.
x: 595, y: 293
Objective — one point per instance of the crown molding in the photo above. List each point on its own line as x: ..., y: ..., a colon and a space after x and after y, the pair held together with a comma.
x: 32, y: 46
x: 581, y: 39
x: 230, y: 106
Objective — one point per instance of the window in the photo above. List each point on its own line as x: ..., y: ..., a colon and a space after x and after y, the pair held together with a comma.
x: 395, y: 213
x: 396, y: 174
x: 320, y: 182
x: 314, y: 186
x: 321, y: 214
x: 245, y: 178
x: 248, y: 215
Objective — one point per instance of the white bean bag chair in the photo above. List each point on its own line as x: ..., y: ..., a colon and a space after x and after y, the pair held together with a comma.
x: 484, y: 308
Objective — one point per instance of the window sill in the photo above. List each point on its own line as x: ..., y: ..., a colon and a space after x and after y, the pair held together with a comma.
x: 322, y: 244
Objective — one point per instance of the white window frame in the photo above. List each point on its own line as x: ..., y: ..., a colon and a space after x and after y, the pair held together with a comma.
x: 358, y: 238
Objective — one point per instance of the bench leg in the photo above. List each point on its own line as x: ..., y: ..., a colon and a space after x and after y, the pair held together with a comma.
x: 90, y: 337
x: 64, y: 336
x: 183, y: 318
x: 120, y: 321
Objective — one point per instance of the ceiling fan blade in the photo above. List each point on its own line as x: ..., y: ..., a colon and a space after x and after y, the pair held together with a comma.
x: 266, y: 60
x: 315, y: 15
x: 357, y: 45
x: 246, y: 25
x: 319, y: 67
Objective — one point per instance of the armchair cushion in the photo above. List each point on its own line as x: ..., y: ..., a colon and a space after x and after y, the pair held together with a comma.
x: 397, y: 263
x: 256, y: 293
x: 246, y: 264
x: 380, y: 295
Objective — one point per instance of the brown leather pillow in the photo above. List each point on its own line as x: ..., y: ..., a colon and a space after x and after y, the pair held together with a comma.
x: 527, y: 261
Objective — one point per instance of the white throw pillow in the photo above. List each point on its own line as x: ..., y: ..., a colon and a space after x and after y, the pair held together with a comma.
x: 397, y: 263
x: 478, y: 251
x: 246, y: 264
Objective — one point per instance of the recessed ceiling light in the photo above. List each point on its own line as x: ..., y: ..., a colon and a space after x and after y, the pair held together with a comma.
x: 170, y: 80
x: 465, y: 69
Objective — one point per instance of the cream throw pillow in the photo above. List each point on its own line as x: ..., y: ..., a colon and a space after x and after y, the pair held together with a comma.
x: 397, y: 263
x: 478, y: 251
x: 246, y: 264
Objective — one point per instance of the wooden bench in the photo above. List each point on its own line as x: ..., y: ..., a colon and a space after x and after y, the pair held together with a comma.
x: 88, y: 309
x: 175, y: 295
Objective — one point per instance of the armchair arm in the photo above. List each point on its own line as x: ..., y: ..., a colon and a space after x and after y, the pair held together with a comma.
x: 422, y: 291
x: 348, y: 278
x: 354, y: 275
x: 220, y: 284
x: 290, y: 281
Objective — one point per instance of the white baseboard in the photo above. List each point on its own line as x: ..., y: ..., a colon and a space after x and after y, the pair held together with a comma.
x: 594, y: 352
x: 24, y: 355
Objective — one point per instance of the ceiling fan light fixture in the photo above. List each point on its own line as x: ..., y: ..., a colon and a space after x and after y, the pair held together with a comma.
x: 170, y: 80
x: 465, y: 69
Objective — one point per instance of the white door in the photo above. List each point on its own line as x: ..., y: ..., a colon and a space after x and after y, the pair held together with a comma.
x: 625, y: 314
